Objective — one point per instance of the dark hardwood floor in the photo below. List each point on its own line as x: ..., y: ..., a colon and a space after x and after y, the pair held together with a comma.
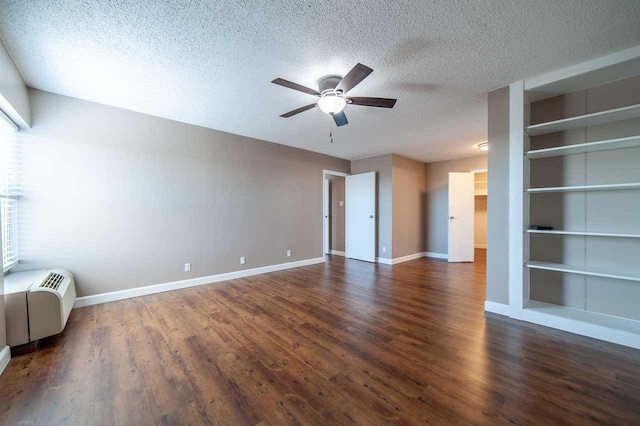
x: 341, y: 343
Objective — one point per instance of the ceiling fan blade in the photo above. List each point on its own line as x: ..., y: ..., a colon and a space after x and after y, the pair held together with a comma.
x: 354, y: 77
x: 298, y: 111
x: 373, y: 102
x: 340, y: 119
x: 295, y: 86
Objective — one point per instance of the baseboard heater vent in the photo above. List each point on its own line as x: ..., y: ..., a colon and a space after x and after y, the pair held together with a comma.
x: 37, y: 304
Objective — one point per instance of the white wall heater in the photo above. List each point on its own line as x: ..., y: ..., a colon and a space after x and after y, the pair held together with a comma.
x: 37, y: 304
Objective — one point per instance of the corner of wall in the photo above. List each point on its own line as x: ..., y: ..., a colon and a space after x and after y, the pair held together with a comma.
x: 14, y: 95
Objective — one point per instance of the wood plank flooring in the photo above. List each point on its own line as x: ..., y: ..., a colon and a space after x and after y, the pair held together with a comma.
x: 344, y: 342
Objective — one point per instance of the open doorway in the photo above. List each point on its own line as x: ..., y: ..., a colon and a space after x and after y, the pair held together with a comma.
x: 480, y: 215
x: 467, y: 233
x: 334, y: 205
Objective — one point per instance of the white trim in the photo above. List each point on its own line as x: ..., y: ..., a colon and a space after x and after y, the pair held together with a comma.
x: 337, y: 253
x: 579, y: 70
x: 407, y: 258
x: 9, y: 121
x: 517, y: 292
x: 496, y: 308
x: 480, y: 246
x: 332, y: 173
x: 5, y: 357
x: 434, y: 255
x: 326, y: 172
x: 10, y: 266
x: 175, y: 285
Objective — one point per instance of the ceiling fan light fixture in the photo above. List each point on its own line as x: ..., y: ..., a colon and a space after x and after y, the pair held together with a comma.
x: 483, y: 146
x: 331, y: 104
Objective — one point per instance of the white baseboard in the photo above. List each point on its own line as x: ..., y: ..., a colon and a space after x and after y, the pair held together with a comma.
x: 175, y: 285
x: 5, y: 357
x: 480, y: 246
x: 337, y: 253
x: 407, y: 258
x: 496, y: 308
x: 433, y: 255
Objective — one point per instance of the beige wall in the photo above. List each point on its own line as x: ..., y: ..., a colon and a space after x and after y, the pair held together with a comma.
x: 383, y: 165
x: 498, y: 197
x: 336, y: 222
x: 124, y: 199
x: 437, y: 199
x: 408, y: 206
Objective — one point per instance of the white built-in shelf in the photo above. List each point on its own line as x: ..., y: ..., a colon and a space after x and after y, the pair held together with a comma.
x: 484, y: 181
x: 608, y: 187
x: 583, y: 270
x: 587, y: 234
x: 581, y: 148
x: 593, y: 119
x: 606, y: 322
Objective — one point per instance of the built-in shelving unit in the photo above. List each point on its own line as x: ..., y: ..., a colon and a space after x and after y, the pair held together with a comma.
x: 480, y: 184
x: 582, y: 270
x: 599, y: 279
x: 582, y: 233
x: 592, y: 324
x: 593, y: 119
x: 582, y: 148
x: 608, y: 187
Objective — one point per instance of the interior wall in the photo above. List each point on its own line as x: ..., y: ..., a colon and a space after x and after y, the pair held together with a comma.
x: 596, y: 211
x: 337, y: 217
x: 408, y: 206
x: 383, y: 165
x: 124, y: 200
x: 498, y: 197
x: 437, y: 199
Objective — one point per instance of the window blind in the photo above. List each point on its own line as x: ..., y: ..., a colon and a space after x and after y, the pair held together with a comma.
x: 8, y: 193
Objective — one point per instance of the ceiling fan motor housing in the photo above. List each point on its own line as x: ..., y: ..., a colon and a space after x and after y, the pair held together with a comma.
x: 328, y: 83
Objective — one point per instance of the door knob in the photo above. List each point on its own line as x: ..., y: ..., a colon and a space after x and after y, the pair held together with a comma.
x: 371, y: 216
x: 451, y: 217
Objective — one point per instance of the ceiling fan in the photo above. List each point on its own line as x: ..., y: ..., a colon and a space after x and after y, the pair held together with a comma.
x: 331, y: 91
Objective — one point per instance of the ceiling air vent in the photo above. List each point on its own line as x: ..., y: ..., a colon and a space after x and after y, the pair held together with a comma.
x: 52, y: 281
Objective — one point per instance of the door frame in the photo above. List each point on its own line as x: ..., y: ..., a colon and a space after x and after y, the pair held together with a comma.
x: 326, y: 173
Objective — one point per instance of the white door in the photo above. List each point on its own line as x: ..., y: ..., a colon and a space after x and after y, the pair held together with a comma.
x: 325, y: 216
x: 461, y: 217
x: 361, y: 216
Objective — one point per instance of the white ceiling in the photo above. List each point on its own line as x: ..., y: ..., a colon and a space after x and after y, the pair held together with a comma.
x: 211, y: 63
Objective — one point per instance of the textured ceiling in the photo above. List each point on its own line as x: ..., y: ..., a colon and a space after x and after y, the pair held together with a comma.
x: 210, y: 63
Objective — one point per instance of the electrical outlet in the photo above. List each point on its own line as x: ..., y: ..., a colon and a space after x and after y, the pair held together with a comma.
x: 341, y: 203
x: 384, y: 249
x: 187, y: 267
x: 243, y: 260
x: 288, y: 253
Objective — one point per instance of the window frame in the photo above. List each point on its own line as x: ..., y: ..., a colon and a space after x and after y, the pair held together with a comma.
x: 9, y: 126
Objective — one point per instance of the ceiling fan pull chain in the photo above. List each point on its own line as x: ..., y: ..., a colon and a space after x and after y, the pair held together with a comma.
x: 331, y: 133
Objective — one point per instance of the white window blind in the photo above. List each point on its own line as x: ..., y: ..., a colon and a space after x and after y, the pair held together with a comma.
x: 8, y: 193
